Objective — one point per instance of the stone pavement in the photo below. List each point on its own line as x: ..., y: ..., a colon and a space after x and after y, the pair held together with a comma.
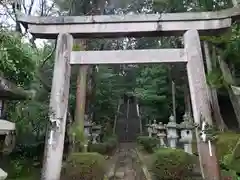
x: 127, y: 165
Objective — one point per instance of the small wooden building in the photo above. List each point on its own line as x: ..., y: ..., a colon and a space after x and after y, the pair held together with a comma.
x: 8, y: 91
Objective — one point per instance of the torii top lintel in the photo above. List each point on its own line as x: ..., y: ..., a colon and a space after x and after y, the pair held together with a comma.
x: 113, y: 26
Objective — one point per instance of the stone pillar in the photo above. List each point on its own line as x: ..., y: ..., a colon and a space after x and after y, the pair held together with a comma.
x: 200, y: 101
x: 58, y: 109
x: 172, y: 132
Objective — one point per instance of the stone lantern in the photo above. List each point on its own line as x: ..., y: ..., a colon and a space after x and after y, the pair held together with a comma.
x: 154, y: 128
x: 172, y: 132
x: 186, y: 133
x: 161, y: 134
x: 96, y: 131
x: 149, y: 130
x: 87, y: 129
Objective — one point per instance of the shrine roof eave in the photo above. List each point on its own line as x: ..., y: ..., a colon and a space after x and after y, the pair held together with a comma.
x: 9, y: 91
x: 8, y: 95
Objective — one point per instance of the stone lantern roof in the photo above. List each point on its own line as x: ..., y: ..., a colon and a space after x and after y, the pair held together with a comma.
x: 172, y: 123
x: 187, y: 122
x: 160, y: 126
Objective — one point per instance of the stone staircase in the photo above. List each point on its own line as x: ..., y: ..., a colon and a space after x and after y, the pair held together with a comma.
x: 128, y: 124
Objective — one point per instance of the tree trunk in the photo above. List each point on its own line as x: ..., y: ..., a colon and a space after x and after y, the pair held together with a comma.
x: 82, y: 81
x: 235, y: 100
x: 212, y: 91
x: 117, y: 115
x: 187, y: 100
x: 81, y: 102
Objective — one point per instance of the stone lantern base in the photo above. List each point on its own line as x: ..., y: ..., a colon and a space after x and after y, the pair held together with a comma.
x: 187, y: 145
x: 172, y: 142
x: 3, y: 174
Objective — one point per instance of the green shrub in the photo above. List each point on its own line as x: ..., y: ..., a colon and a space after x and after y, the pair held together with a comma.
x: 148, y: 143
x: 111, y: 144
x: 225, y: 144
x: 229, y: 175
x: 85, y: 166
x: 107, y: 147
x: 231, y: 163
x: 100, y: 148
x: 172, y: 164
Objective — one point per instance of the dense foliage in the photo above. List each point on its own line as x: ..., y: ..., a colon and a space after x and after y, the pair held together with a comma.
x: 172, y: 164
x: 17, y: 59
x: 228, y: 145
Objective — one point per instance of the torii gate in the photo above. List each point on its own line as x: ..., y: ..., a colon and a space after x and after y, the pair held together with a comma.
x: 69, y: 27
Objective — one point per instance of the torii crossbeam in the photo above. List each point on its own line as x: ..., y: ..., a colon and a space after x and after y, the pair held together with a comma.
x: 112, y: 26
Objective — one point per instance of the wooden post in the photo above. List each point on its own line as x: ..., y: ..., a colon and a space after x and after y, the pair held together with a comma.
x: 58, y: 109
x: 174, y: 101
x: 200, y: 101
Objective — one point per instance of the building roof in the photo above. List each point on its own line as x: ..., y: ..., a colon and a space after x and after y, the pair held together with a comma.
x: 9, y: 91
x: 6, y: 126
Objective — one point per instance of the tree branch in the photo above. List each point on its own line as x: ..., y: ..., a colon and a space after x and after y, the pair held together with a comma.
x: 49, y: 55
x: 24, y: 7
x: 30, y: 8
x: 50, y: 8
